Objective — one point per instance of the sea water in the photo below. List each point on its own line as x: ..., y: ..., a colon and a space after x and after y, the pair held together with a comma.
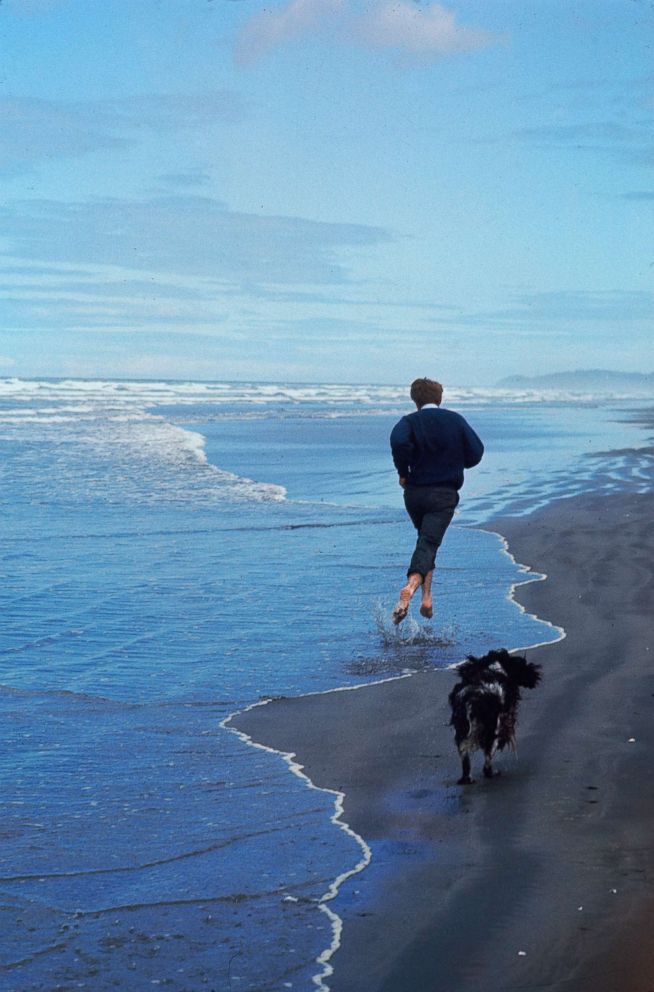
x: 174, y: 552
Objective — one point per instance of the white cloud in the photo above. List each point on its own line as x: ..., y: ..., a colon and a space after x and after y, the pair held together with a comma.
x: 274, y: 27
x: 429, y: 31
x: 423, y: 32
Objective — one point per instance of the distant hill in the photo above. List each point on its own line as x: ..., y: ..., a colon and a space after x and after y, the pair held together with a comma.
x: 585, y: 381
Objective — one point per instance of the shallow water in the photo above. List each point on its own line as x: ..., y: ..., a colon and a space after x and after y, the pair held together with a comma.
x: 172, y: 553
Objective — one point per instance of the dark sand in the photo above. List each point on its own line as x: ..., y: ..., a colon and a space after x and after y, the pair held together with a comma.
x: 555, y: 858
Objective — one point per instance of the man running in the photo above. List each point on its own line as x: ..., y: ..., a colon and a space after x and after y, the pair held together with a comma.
x: 430, y: 448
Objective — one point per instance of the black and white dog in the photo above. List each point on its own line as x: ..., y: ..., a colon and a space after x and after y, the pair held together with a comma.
x: 485, y: 705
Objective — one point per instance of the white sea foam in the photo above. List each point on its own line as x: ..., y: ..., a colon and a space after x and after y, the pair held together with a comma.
x: 364, y: 398
x: 111, y: 442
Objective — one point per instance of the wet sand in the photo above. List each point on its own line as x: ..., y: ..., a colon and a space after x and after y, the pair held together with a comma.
x: 544, y: 877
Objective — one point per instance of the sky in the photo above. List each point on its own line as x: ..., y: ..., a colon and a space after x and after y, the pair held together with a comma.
x: 326, y: 190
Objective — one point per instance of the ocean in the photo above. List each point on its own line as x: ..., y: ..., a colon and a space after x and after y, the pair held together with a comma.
x: 174, y: 552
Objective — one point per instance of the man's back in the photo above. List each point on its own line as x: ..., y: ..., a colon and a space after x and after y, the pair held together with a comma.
x: 433, y: 446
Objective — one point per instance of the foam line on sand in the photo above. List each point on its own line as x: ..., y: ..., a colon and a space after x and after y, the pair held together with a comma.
x: 324, y: 958
x: 533, y: 576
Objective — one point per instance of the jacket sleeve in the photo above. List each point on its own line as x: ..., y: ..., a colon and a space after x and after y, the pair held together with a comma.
x: 473, y: 448
x: 402, y: 446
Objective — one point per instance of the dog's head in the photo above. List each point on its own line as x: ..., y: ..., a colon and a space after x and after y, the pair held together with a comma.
x: 500, y: 665
x: 522, y: 672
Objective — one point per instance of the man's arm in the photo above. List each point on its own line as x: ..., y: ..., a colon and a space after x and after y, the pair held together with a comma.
x: 473, y: 449
x: 402, y: 447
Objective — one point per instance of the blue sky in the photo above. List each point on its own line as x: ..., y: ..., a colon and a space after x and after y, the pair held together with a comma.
x: 326, y: 190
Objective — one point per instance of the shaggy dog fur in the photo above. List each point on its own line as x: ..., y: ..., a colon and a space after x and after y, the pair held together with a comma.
x: 485, y: 705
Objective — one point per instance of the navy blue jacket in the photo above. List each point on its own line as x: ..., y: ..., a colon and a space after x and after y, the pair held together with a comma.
x: 431, y: 447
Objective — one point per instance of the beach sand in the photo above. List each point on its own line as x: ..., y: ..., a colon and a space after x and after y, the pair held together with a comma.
x: 542, y: 878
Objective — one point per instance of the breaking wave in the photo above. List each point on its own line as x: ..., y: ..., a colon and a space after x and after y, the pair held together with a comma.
x: 112, y: 448
x: 264, y: 398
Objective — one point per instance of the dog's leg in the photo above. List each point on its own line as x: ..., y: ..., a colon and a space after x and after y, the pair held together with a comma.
x: 488, y: 765
x: 465, y: 770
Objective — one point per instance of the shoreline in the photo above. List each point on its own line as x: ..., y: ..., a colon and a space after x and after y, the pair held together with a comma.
x: 520, y: 881
x: 295, y: 768
x: 534, y: 576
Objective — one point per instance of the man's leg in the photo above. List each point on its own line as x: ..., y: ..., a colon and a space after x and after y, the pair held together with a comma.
x: 431, y: 511
x: 406, y: 594
x: 431, y: 534
x: 414, y: 579
x: 426, y: 607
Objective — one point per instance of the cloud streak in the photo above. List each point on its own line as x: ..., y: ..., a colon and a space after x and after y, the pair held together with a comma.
x: 187, y: 235
x: 418, y: 33
x: 568, y: 307
x: 35, y: 130
x: 632, y: 141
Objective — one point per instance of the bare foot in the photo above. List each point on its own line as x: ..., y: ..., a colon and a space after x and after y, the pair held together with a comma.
x: 401, y: 609
x: 426, y: 609
x: 402, y: 606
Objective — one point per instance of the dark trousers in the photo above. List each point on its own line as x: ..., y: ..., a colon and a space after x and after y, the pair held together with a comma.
x: 431, y: 509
